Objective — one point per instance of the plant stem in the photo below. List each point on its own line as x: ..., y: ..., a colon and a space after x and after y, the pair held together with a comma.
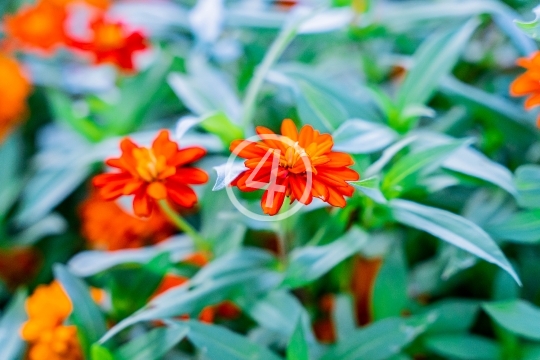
x: 278, y: 46
x: 198, y: 240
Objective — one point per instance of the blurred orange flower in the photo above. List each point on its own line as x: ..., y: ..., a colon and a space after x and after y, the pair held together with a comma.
x: 101, y: 4
x: 48, y: 307
x: 151, y: 174
x: 284, y: 163
x: 169, y: 281
x: 112, y: 43
x: 39, y: 26
x: 14, y: 89
x: 528, y: 83
x: 107, y: 226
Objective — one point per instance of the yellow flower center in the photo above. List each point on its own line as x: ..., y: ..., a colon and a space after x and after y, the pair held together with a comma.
x: 109, y: 36
x: 294, y: 156
x: 151, y: 167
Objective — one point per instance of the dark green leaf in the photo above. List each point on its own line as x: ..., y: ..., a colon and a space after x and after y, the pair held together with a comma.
x: 463, y: 347
x: 297, y: 348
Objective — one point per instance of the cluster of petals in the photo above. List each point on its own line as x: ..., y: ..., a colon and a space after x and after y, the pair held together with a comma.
x: 106, y: 226
x: 159, y: 172
x: 43, y: 27
x: 307, y: 167
x: 49, y: 338
x: 528, y: 83
x: 14, y: 90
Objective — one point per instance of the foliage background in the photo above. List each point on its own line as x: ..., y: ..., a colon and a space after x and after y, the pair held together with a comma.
x: 416, y: 91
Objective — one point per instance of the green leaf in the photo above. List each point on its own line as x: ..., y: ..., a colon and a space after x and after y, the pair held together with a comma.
x: 473, y: 163
x: 216, y: 342
x: 86, y: 315
x: 453, y: 316
x: 98, y: 352
x: 379, y: 340
x: 521, y: 227
x: 319, y: 109
x: 10, y: 339
x: 362, y: 137
x: 387, y: 155
x: 344, y: 316
x: 311, y: 262
x: 404, y: 171
x: 279, y: 311
x: 452, y: 228
x: 463, y: 347
x: 154, y: 344
x: 389, y: 295
x: 517, y: 316
x: 219, y: 124
x: 528, y: 184
x: 297, y: 348
x: 531, y: 28
x: 371, y: 188
x: 433, y: 61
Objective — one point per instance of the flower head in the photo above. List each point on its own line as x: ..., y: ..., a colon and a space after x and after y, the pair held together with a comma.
x: 528, y: 83
x: 14, y: 89
x: 299, y: 165
x: 156, y: 173
x: 41, y: 26
x: 100, y: 4
x: 112, y: 43
x: 107, y: 226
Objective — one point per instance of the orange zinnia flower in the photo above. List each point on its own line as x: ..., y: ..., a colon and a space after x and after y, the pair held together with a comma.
x: 107, y: 226
x: 14, y: 89
x: 40, y: 26
x: 48, y: 308
x: 153, y: 174
x: 299, y: 165
x: 100, y: 4
x: 112, y: 43
x: 528, y: 83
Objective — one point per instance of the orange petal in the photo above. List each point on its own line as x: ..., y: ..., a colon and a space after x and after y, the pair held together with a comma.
x: 132, y: 187
x: 288, y: 129
x: 103, y: 179
x: 190, y: 176
x: 298, y: 185
x: 273, y: 207
x: 162, y: 145
x: 142, y: 203
x: 307, y: 136
x: 183, y: 195
x: 524, y: 85
x: 250, y: 149
x: 532, y: 101
x: 335, y: 198
x: 273, y: 141
x: 157, y: 190
x: 319, y: 188
x: 186, y: 156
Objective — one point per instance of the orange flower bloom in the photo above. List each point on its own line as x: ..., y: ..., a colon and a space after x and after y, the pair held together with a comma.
x: 38, y: 27
x: 112, y: 43
x: 528, y: 83
x: 299, y: 165
x: 14, y: 89
x: 153, y: 174
x: 100, y: 4
x: 48, y: 308
x: 169, y: 281
x: 107, y: 226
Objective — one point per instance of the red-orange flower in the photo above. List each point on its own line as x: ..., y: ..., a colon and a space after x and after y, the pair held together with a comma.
x: 111, y: 42
x: 151, y: 174
x: 107, y: 226
x: 528, y: 83
x: 300, y: 165
x: 41, y: 26
x: 100, y: 4
x: 14, y: 89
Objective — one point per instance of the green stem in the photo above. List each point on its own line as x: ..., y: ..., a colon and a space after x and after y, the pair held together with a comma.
x: 279, y: 45
x: 200, y: 242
